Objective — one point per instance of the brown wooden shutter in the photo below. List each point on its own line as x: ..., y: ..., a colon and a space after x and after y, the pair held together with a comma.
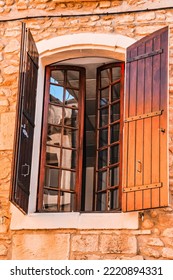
x: 25, y: 123
x: 145, y: 125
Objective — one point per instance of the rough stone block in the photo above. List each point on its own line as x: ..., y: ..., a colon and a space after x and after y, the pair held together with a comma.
x: 118, y: 244
x: 85, y: 243
x: 3, y: 250
x: 7, y: 123
x: 168, y: 232
x: 167, y: 253
x: 40, y: 246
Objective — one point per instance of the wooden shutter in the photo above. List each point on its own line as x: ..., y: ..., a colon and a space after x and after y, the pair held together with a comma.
x: 145, y: 124
x: 25, y: 123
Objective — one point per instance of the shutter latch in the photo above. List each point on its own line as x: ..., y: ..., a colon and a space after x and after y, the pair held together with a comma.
x: 25, y: 170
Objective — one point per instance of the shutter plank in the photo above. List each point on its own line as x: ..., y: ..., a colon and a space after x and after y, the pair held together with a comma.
x: 147, y: 127
x: 163, y: 120
x: 156, y: 125
x: 143, y: 140
x: 139, y: 129
x: 131, y: 133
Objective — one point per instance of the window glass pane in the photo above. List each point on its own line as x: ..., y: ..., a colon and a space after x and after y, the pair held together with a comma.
x: 105, y: 78
x: 52, y: 156
x: 56, y: 94
x: 68, y: 158
x: 114, y: 201
x: 50, y: 200
x: 72, y: 79
x: 67, y: 202
x: 102, y: 158
x: 70, y: 117
x: 116, y: 73
x: 71, y: 97
x: 114, y: 154
x: 104, y: 116
x: 57, y: 77
x: 114, y: 176
x: 104, y: 97
x: 115, y: 112
x: 54, y: 135
x: 69, y: 138
x: 103, y: 137
x: 115, y: 131
x: 55, y: 114
x: 51, y: 177
x: 102, y: 180
x: 115, y: 92
x: 68, y: 179
x: 101, y: 202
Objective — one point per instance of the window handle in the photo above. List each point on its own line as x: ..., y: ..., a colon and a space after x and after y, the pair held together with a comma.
x: 139, y: 166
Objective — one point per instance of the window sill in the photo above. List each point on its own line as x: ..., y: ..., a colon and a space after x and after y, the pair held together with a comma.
x: 73, y: 220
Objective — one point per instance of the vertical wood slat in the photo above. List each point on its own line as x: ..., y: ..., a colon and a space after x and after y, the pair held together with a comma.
x: 150, y: 144
x: 140, y: 128
x: 26, y: 115
x: 147, y: 126
x: 131, y: 132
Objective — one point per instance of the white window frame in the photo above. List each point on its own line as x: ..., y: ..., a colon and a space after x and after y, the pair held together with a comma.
x: 53, y: 50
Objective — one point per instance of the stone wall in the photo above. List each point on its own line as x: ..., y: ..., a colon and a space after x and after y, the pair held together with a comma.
x: 154, y: 238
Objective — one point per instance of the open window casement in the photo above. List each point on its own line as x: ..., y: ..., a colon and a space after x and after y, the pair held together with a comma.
x: 25, y: 120
x: 144, y: 153
x: 145, y: 124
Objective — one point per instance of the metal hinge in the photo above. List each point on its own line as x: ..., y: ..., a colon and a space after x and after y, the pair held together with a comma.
x: 143, y: 116
x: 145, y: 55
x: 143, y: 187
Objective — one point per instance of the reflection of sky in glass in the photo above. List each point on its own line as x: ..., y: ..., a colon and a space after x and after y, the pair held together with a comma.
x: 57, y: 92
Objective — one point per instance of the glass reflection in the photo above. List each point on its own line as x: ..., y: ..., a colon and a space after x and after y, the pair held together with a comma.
x: 104, y: 117
x: 105, y: 78
x: 102, y: 180
x: 114, y: 154
x: 67, y: 181
x: 67, y: 202
x: 115, y: 132
x: 115, y: 92
x: 71, y: 98
x: 116, y: 73
x: 73, y: 79
x: 115, y: 112
x: 70, y: 117
x: 55, y: 114
x: 104, y: 97
x: 56, y: 94
x: 114, y: 176
x: 102, y: 158
x: 114, y: 201
x: 103, y: 137
x: 57, y: 77
x: 101, y: 202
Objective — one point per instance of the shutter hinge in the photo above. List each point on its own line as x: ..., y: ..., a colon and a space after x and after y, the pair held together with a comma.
x: 143, y: 116
x: 145, y: 55
x: 143, y: 187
